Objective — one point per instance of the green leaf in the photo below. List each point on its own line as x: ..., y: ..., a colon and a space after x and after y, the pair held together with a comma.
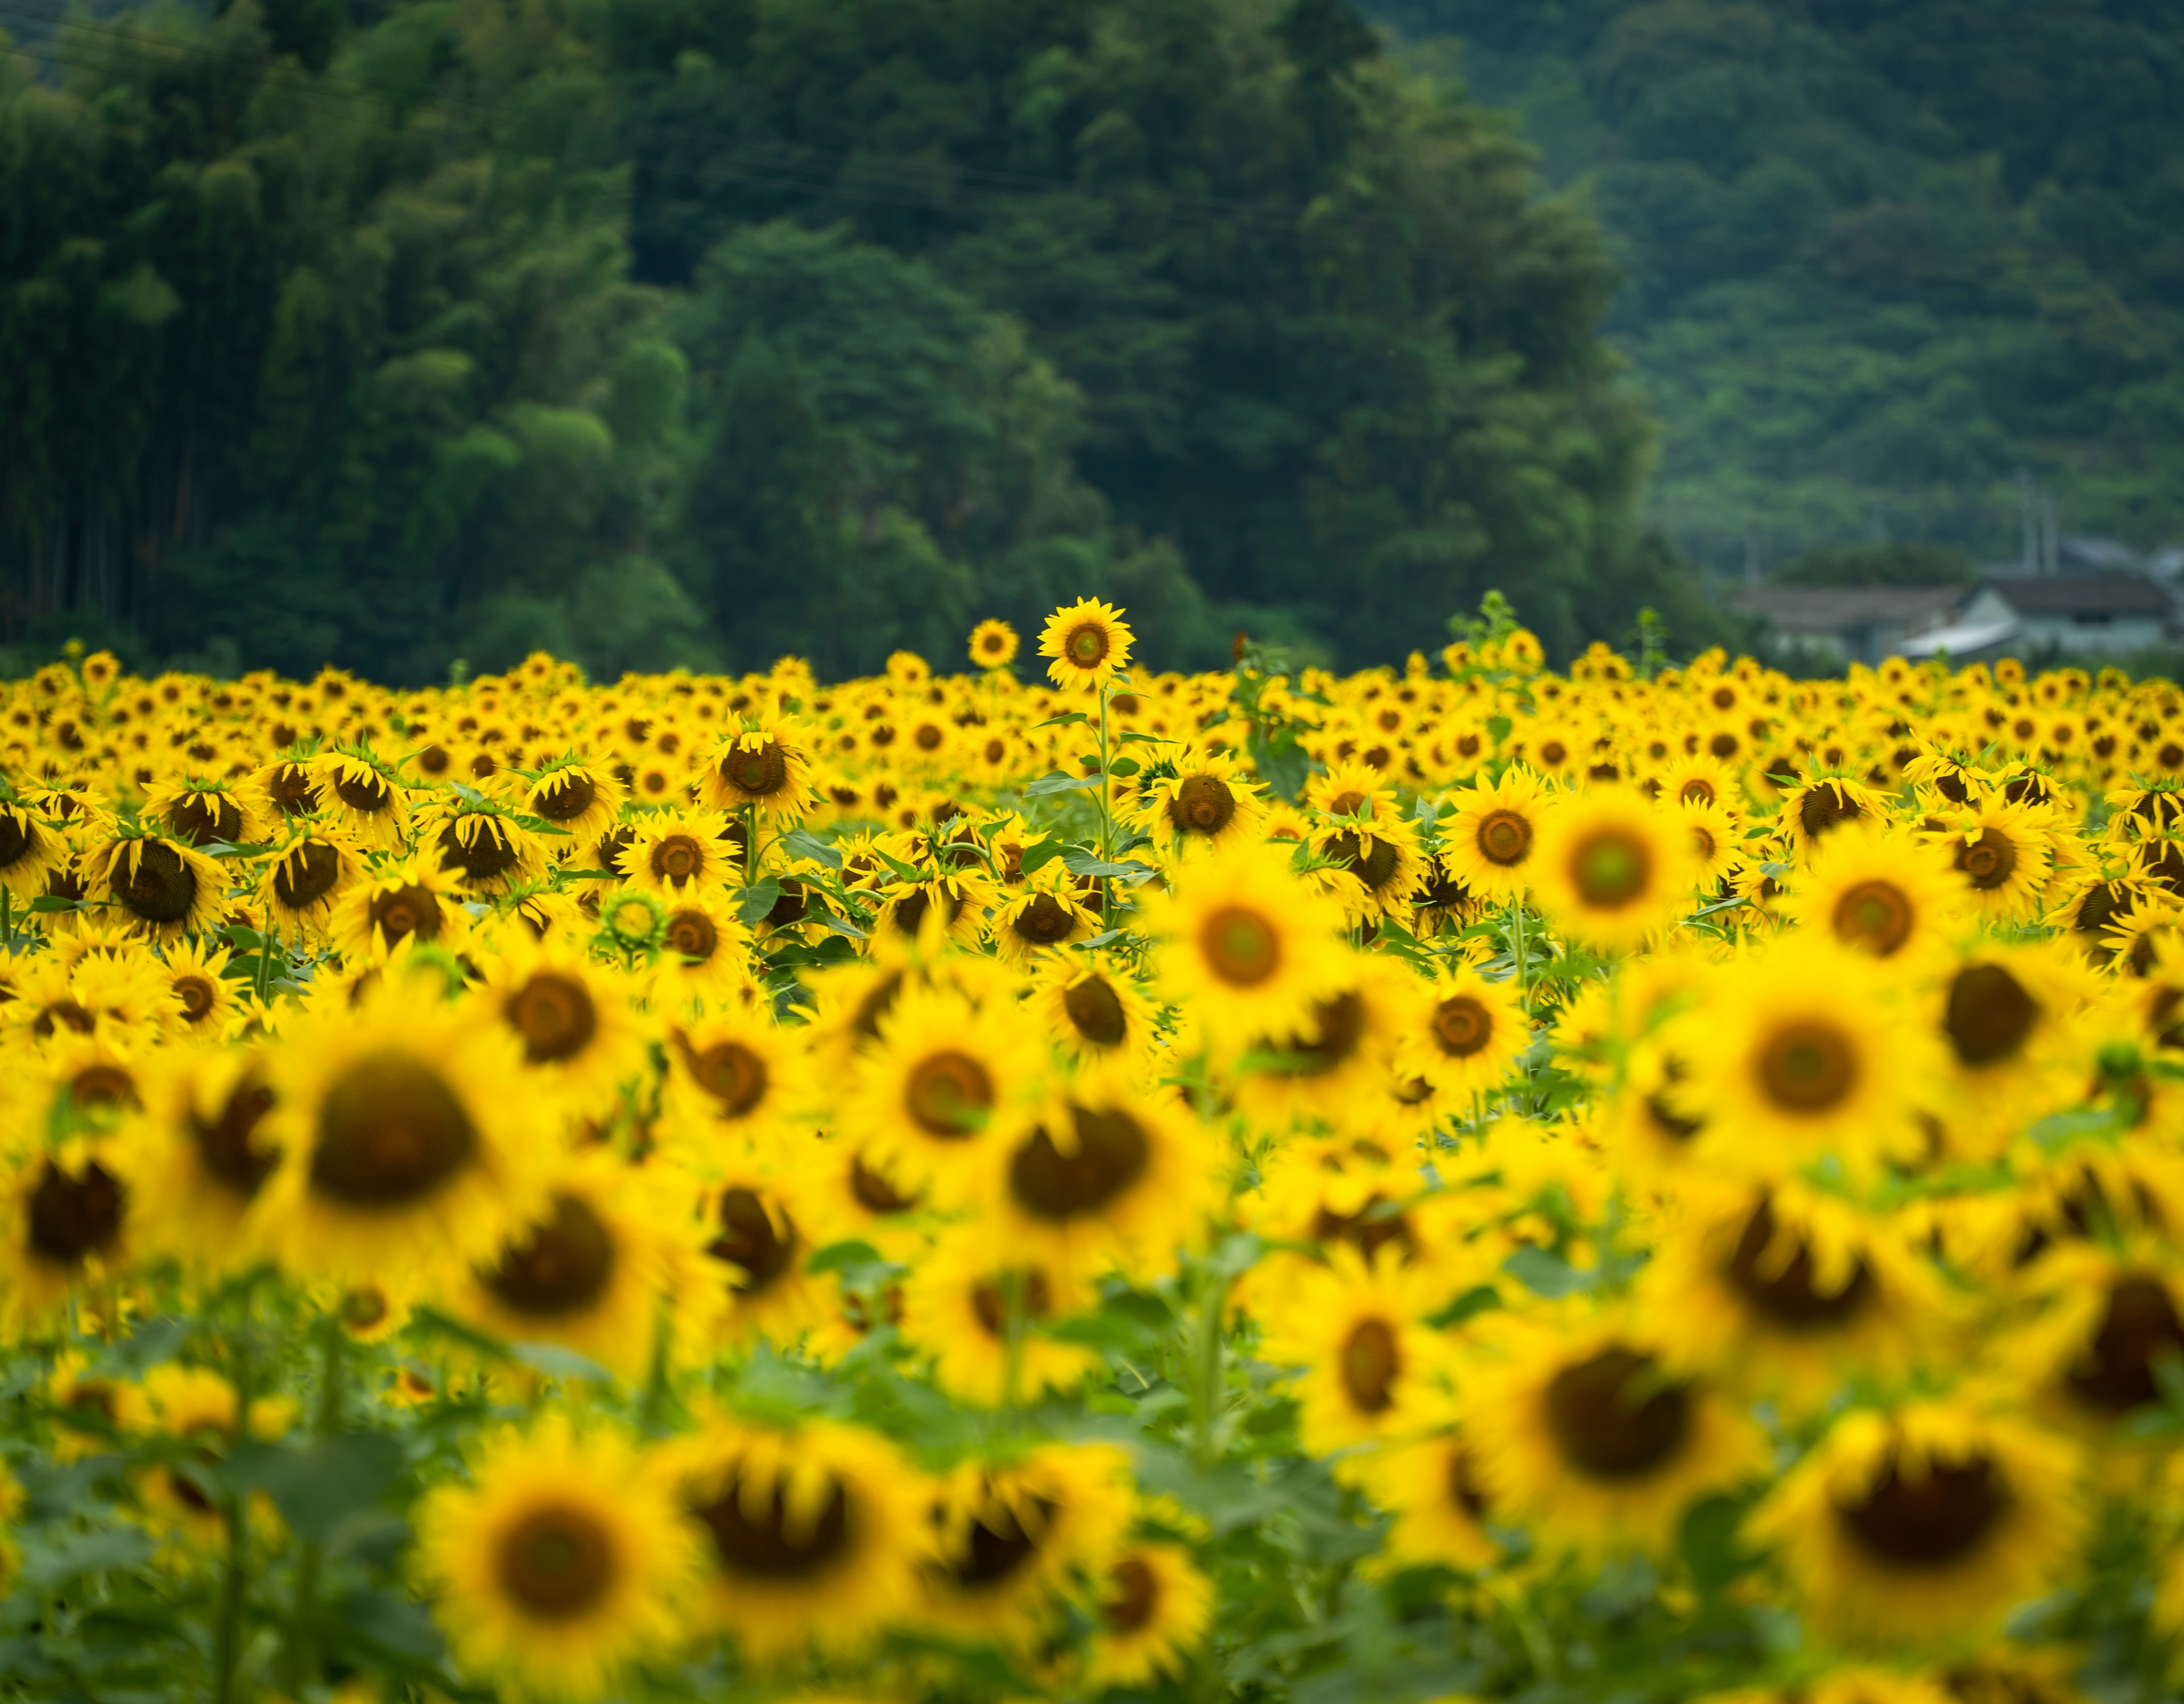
x: 1082, y: 863
x: 53, y: 902
x: 1709, y: 1546
x: 804, y: 843
x: 1067, y: 719
x: 838, y: 1256
x: 1123, y: 765
x: 1060, y: 782
x: 1545, y: 1275
x: 1498, y: 727
x: 754, y: 902
x: 325, y: 1483
x: 393, y: 1626
x: 1046, y: 852
x: 558, y: 1360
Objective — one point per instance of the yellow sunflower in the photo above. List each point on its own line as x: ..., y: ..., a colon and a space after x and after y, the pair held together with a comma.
x: 1488, y: 843
x: 735, y: 1080
x: 759, y: 1225
x: 1879, y: 890
x: 1461, y: 1032
x: 1431, y: 1485
x: 1093, y: 1012
x: 704, y: 958
x: 583, y: 800
x: 1582, y: 1432
x: 30, y: 853
x: 1013, y: 1536
x: 1609, y: 870
x: 1155, y: 1609
x: 768, y: 768
x: 957, y: 1306
x: 1375, y: 871
x: 482, y: 849
x: 1817, y: 808
x: 1206, y: 805
x: 197, y: 812
x: 679, y: 855
x: 2001, y: 856
x: 940, y: 1082
x: 1925, y: 1524
x: 203, y: 1155
x: 2010, y: 1018
x: 407, y: 1134
x: 571, y: 1015
x: 67, y: 1219
x: 1373, y: 1369
x: 363, y: 799
x: 1320, y: 1070
x: 993, y: 644
x: 408, y: 901
x: 1088, y: 643
x: 1042, y: 915
x: 204, y: 996
x: 303, y: 883
x: 563, y: 1564
x: 165, y: 889
x: 1244, y: 946
x: 812, y: 1535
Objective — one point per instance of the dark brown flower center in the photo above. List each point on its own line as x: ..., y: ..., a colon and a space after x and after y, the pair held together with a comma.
x: 412, y: 908
x: 1203, y: 805
x: 1931, y: 1521
x: 1096, y: 1011
x: 1611, y: 869
x: 1045, y: 921
x: 1133, y: 1594
x: 990, y: 1302
x: 200, y: 817
x: 1112, y: 1153
x: 949, y: 1095
x: 1239, y: 946
x: 196, y: 995
x: 366, y: 793
x: 390, y: 1133
x: 1464, y: 1490
x: 1087, y: 645
x: 1698, y: 790
x: 735, y: 1076
x: 1372, y: 1362
x: 73, y: 1217
x: 554, y: 1016
x: 306, y: 874
x: 1339, y: 1028
x: 1875, y: 916
x: 1367, y: 1230
x: 749, y: 1239
x: 1371, y: 859
x: 227, y: 1144
x: 875, y: 1193
x: 692, y: 935
x: 1612, y: 1418
x: 1988, y: 1015
x: 757, y: 1536
x: 556, y: 1562
x: 1825, y: 807
x: 1504, y: 837
x: 17, y: 836
x: 491, y: 851
x: 1988, y: 861
x: 1808, y: 1066
x: 560, y: 1267
x: 292, y: 790
x: 760, y: 771
x: 1462, y: 1025
x: 999, y: 1546
x: 677, y: 858
x: 2116, y: 1371
x: 1783, y: 1289
x: 565, y: 797
x: 159, y: 888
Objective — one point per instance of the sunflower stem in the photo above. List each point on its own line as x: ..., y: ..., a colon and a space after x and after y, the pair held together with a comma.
x: 227, y: 1631
x: 655, y: 1378
x: 1106, y: 820
x: 1206, y: 1368
x: 6, y: 919
x: 751, y: 846
x: 296, y: 1658
x: 1012, y: 1330
x: 1516, y: 956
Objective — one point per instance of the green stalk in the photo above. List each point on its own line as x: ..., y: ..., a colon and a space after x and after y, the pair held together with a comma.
x: 297, y: 1658
x: 1206, y: 1368
x: 227, y: 1632
x: 1106, y: 821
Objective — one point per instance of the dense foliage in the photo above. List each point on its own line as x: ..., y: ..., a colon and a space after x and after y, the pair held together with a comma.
x: 1644, y: 1184
x: 1880, y: 256
x: 651, y: 330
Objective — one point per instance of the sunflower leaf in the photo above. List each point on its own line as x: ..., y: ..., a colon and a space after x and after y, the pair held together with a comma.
x: 1067, y: 719
x: 805, y: 845
x: 1046, y: 852
x: 754, y: 902
x: 1060, y: 782
x: 839, y: 1256
x: 1545, y: 1275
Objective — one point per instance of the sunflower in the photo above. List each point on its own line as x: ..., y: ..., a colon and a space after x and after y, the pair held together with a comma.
x: 1461, y: 1033
x: 703, y: 957
x: 198, y: 811
x: 591, y: 1271
x: 813, y: 1534
x: 942, y: 906
x: 993, y: 644
x: 1155, y: 1609
x: 1244, y: 946
x: 1043, y: 915
x: 67, y: 1217
x: 1088, y: 643
x: 1099, y: 1173
x: 407, y: 1132
x: 574, y: 1023
x: 564, y: 1564
x: 2091, y: 903
x: 1923, y: 1524
x: 1796, y: 1056
x: 2010, y: 1018
x: 1488, y: 845
x: 305, y: 882
x: 757, y: 1225
x: 734, y: 1080
x: 768, y: 768
x: 1878, y: 890
x: 1430, y: 1484
x: 203, y: 1155
x: 30, y: 853
x: 363, y: 799
x: 1372, y: 1367
x: 1092, y: 1012
x: 1373, y: 872
x: 956, y: 1306
x: 197, y: 1406
x: 1013, y: 1536
x: 2104, y: 1314
x: 1609, y: 869
x: 2001, y: 855
x: 1582, y: 1432
x: 939, y: 1081
x: 1814, y: 808
x: 582, y: 800
x: 165, y: 889
x: 1781, y: 1291
x: 679, y: 855
x: 196, y: 977
x: 407, y: 901
x: 1208, y: 804
x: 482, y: 849
x: 92, y: 1412
x: 1319, y: 1070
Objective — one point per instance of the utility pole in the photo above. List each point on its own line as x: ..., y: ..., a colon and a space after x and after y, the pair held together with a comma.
x: 2029, y: 558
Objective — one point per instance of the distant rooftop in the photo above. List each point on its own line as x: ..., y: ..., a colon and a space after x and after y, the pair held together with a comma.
x: 1794, y: 610
x: 2074, y: 594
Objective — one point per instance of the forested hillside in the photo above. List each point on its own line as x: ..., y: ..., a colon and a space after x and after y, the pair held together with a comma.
x: 412, y: 332
x: 1880, y: 256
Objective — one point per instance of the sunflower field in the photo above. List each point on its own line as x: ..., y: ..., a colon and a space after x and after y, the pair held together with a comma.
x: 1459, y: 1181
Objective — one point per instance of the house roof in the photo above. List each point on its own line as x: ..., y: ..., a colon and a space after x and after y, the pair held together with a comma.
x: 2080, y: 594
x: 1835, y: 609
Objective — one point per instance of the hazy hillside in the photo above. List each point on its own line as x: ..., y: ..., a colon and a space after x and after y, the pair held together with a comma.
x: 1880, y: 256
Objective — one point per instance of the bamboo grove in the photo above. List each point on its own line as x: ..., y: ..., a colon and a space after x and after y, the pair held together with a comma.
x: 1457, y: 1182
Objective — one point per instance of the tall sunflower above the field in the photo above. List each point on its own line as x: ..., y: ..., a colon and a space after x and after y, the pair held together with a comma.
x: 1088, y: 644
